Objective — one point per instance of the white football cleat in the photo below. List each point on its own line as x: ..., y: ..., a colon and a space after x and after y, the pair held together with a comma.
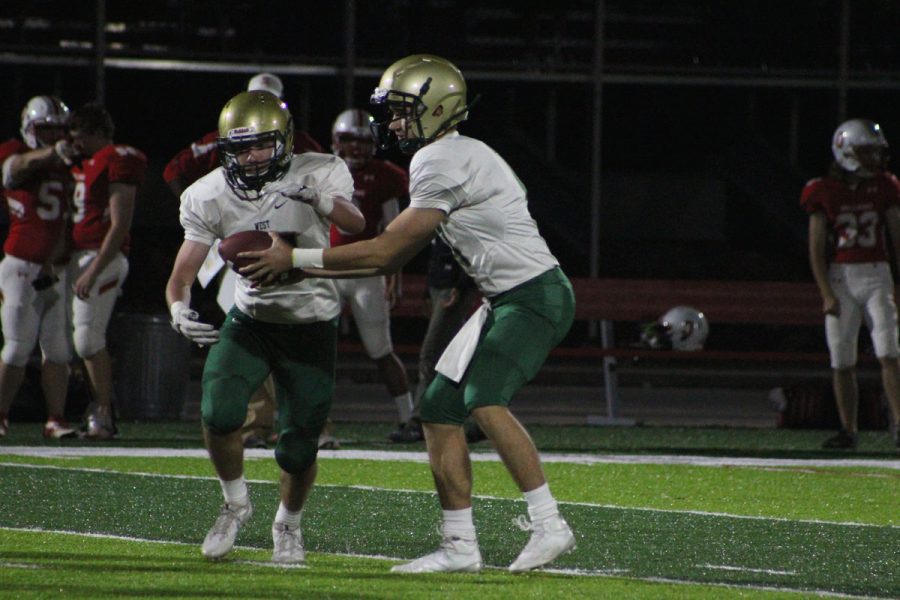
x: 4, y: 426
x: 455, y: 555
x: 288, y: 544
x: 57, y: 428
x: 328, y: 442
x: 99, y: 424
x: 220, y: 539
x: 550, y: 538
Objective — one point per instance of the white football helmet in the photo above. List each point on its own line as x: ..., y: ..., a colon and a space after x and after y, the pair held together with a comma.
x: 43, y: 111
x: 685, y: 327
x: 266, y: 82
x: 352, y: 138
x: 851, y: 135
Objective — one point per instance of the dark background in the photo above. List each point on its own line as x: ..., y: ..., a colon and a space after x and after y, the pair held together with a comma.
x: 714, y: 114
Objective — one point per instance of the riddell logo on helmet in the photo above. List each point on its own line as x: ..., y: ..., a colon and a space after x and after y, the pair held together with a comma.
x: 241, y: 131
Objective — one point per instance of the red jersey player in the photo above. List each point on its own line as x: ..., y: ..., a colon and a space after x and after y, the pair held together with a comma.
x: 850, y: 209
x: 378, y: 187
x: 36, y: 188
x: 106, y: 182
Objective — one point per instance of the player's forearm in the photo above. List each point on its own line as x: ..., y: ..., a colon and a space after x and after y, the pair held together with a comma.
x: 347, y: 216
x: 110, y: 247
x: 21, y: 166
x: 378, y: 256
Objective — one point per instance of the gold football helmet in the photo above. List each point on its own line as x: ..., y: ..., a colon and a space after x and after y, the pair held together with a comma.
x: 413, y: 88
x: 253, y: 120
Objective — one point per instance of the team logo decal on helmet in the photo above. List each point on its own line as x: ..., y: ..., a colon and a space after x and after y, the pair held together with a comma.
x: 254, y: 120
x: 43, y: 112
x: 412, y: 89
x: 852, y: 135
x: 352, y: 138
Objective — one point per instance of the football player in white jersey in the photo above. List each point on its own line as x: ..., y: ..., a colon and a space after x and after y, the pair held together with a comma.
x: 464, y: 191
x: 288, y: 330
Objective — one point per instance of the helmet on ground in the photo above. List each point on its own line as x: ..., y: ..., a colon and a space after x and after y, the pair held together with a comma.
x: 414, y: 88
x: 852, y: 135
x: 680, y: 328
x: 266, y: 82
x: 352, y: 138
x: 43, y: 112
x: 248, y: 121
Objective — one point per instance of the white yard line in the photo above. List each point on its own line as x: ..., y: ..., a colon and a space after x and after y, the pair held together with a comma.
x: 577, y: 459
x: 746, y: 569
x: 701, y: 513
x: 620, y: 573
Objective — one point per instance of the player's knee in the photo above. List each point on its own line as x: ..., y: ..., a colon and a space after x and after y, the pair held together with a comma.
x: 16, y: 352
x: 297, y: 449
x: 88, y: 342
x: 57, y: 351
x: 220, y: 408
x: 376, y: 339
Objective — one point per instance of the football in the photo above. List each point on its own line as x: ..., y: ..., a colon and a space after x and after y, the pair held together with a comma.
x: 246, y: 241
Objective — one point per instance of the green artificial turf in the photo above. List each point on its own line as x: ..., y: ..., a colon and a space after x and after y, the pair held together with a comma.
x: 41, y: 565
x: 681, y: 546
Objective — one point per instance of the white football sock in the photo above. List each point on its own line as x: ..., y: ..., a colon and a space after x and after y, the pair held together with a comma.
x: 404, y: 404
x: 289, y: 518
x: 458, y: 523
x: 541, y: 503
x: 235, y: 491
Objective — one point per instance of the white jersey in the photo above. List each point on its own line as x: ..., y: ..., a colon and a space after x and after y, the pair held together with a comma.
x: 210, y: 210
x: 488, y: 224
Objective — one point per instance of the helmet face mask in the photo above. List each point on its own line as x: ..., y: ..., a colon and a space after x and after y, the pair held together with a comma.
x: 256, y: 136
x: 44, y: 121
x: 860, y: 147
x: 352, y: 138
x: 420, y: 98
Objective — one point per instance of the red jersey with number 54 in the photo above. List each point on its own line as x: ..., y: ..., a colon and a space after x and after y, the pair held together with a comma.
x: 114, y: 163
x: 37, y: 209
x: 856, y: 217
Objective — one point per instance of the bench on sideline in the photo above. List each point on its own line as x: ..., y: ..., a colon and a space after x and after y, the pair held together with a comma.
x: 609, y: 300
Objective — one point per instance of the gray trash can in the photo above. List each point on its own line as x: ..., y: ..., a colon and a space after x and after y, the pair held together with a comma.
x: 152, y: 367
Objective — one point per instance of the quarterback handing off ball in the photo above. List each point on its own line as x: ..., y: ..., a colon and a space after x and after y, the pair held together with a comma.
x: 246, y: 241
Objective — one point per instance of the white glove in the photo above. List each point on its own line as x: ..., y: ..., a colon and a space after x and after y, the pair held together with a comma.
x: 65, y: 151
x: 301, y: 193
x: 184, y: 321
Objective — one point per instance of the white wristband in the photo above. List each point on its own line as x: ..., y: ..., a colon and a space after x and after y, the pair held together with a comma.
x: 176, y: 308
x: 312, y: 258
x: 325, y: 205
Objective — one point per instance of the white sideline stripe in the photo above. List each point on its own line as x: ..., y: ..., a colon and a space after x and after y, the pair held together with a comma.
x: 746, y: 569
x: 575, y: 459
x: 9, y: 565
x: 571, y: 572
x: 702, y: 513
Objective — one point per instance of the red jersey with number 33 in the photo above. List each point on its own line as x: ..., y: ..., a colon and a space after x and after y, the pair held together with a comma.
x: 114, y: 163
x: 37, y: 209
x: 373, y: 185
x: 856, y: 217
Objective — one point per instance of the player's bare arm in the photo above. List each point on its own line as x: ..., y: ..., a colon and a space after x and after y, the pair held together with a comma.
x: 893, y: 224
x: 19, y: 167
x: 818, y: 234
x: 121, y: 213
x: 188, y: 261
x: 386, y: 253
